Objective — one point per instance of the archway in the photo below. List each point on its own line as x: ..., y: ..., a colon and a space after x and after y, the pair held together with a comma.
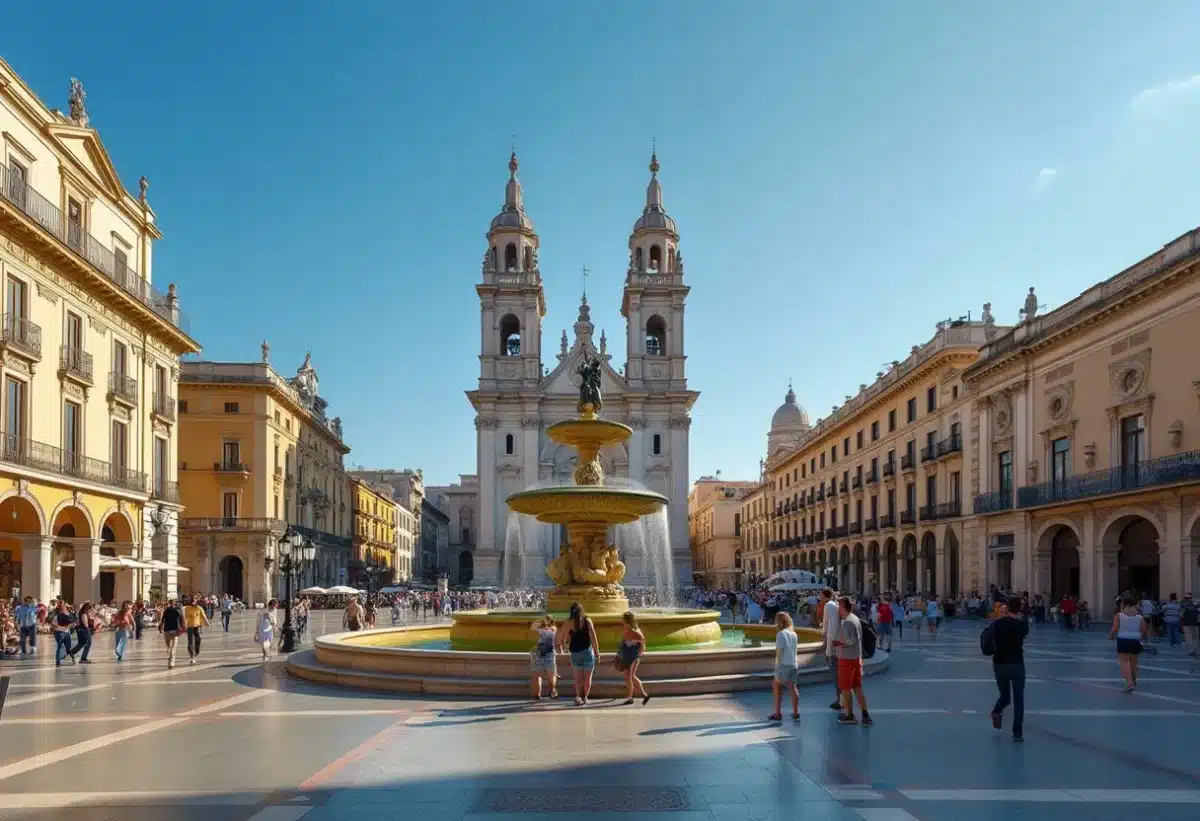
x: 18, y: 516
x: 929, y: 554
x: 1137, y: 559
x: 892, y: 580
x: 953, y: 559
x: 117, y: 534
x: 909, y: 552
x: 510, y: 336
x: 466, y: 568
x: 656, y: 336
x: 1064, y: 563
x: 230, y: 571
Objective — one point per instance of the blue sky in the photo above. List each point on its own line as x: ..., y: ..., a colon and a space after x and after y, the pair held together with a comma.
x: 843, y: 175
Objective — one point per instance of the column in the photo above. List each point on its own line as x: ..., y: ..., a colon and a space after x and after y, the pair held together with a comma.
x: 901, y: 572
x: 1172, y: 575
x: 87, y: 571
x: 680, y: 554
x: 1088, y: 568
x: 36, y: 567
x: 487, y: 555
x: 1106, y: 580
x: 941, y: 569
x: 920, y: 580
x: 1021, y: 566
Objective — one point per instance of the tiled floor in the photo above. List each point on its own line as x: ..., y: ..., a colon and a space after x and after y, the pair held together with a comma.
x: 234, y: 739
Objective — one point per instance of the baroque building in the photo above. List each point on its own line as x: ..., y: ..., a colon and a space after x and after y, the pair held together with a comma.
x: 258, y: 454
x: 715, y: 532
x: 374, y: 541
x: 459, y: 501
x: 518, y: 395
x: 89, y: 358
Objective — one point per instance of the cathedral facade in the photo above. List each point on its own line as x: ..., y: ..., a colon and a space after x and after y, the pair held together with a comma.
x: 519, y: 395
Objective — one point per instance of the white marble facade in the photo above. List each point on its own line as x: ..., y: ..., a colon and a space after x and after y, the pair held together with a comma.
x: 518, y: 396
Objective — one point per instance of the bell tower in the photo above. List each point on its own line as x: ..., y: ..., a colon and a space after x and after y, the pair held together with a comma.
x: 511, y: 298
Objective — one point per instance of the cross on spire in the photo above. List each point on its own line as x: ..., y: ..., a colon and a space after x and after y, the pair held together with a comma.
x: 585, y: 270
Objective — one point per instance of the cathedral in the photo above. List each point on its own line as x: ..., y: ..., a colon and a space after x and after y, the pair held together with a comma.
x: 520, y: 395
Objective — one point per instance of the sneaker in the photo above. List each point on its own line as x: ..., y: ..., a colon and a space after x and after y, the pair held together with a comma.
x: 847, y: 719
x: 998, y: 721
x: 191, y: 661
x: 837, y: 705
x: 1018, y: 739
x: 866, y: 720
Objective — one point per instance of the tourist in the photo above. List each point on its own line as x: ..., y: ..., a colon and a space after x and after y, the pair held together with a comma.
x: 542, y: 662
x: 264, y: 634
x: 898, y: 617
x: 1130, y: 630
x: 27, y: 622
x: 1008, y: 665
x: 629, y: 655
x: 850, y: 662
x: 396, y: 614
x: 226, y: 611
x: 195, y: 618
x: 582, y: 643
x: 1189, y: 622
x: 885, y: 623
x: 786, y: 668
x: 85, y: 626
x: 1172, y: 612
x: 829, y: 631
x: 933, y: 617
x: 352, y: 619
x: 171, y: 625
x: 141, y: 619
x: 62, y: 622
x: 123, y: 622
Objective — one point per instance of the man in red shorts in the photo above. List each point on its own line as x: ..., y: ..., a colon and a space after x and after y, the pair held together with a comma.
x: 848, y: 645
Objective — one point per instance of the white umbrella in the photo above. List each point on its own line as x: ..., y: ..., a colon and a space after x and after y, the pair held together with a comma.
x: 313, y: 591
x: 795, y: 576
x: 159, y: 564
x: 798, y: 586
x: 117, y: 563
x: 342, y: 590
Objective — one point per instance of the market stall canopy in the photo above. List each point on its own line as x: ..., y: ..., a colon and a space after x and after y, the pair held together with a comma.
x: 118, y: 563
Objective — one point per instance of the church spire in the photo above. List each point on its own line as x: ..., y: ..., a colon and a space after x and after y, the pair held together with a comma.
x: 512, y: 214
x: 654, y: 188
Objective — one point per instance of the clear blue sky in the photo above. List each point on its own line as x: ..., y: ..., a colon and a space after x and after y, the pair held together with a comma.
x: 842, y: 178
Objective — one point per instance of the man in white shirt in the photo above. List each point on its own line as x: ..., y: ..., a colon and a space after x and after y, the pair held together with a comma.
x: 830, y: 625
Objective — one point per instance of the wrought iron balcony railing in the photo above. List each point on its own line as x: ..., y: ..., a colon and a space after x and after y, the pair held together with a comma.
x: 907, y: 462
x: 842, y: 486
x: 928, y: 513
x: 230, y: 467
x: 949, y: 510
x: 76, y: 362
x: 949, y: 446
x: 39, y: 456
x: 163, y: 406
x: 321, y: 538
x: 929, y: 453
x: 887, y: 521
x: 838, y: 532
x: 218, y: 523
x: 854, y: 528
x: 22, y: 335
x: 1165, y: 470
x: 122, y: 387
x: 907, y: 517
x: 994, y: 502
x: 870, y: 525
x: 164, y: 491
x: 889, y: 469
x: 871, y: 478
x: 820, y: 536
x: 821, y: 494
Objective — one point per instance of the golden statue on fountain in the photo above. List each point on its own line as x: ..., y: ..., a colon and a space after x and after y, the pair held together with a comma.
x: 588, y: 568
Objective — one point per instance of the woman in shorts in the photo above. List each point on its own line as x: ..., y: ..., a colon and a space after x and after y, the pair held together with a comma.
x: 786, y: 669
x: 629, y: 655
x: 584, y: 648
x: 1129, y: 629
x: 541, y: 659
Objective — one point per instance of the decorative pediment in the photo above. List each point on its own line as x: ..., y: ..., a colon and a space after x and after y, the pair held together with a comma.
x: 85, y: 147
x: 564, y: 380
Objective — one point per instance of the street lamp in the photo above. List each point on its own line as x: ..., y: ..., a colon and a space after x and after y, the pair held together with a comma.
x: 160, y: 523
x: 294, y: 555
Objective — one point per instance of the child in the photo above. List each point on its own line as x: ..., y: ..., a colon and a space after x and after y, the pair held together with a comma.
x: 542, y: 664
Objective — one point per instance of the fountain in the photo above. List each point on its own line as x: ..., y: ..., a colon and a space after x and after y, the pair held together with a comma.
x: 486, y: 652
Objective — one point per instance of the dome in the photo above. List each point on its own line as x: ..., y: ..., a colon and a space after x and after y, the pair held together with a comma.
x: 790, y: 415
x: 512, y: 218
x: 654, y: 216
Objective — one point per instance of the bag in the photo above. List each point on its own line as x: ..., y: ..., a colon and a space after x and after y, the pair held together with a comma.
x: 619, y: 664
x: 869, y: 639
x: 987, y: 640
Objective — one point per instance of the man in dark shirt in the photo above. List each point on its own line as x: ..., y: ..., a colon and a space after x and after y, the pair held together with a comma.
x: 1008, y: 664
x: 171, y: 625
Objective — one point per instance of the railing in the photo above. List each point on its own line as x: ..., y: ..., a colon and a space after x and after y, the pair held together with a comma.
x: 232, y: 523
x: 889, y: 468
x: 164, y: 491
x: 122, y: 386
x: 856, y: 483
x: 15, y: 190
x: 39, y: 456
x: 230, y: 467
x: 808, y: 538
x: 75, y: 361
x: 929, y: 453
x: 907, y: 462
x: 887, y: 521
x: 812, y: 496
x: 23, y: 335
x: 928, y: 513
x: 833, y: 490
x: 821, y: 494
x: 994, y: 502
x: 871, y: 478
x: 855, y: 528
x: 949, y: 510
x: 871, y: 524
x: 819, y: 536
x: 842, y: 486
x: 838, y: 532
x: 320, y: 537
x: 952, y: 444
x: 163, y: 406
x: 800, y: 503
x: 907, y: 517
x: 1165, y: 470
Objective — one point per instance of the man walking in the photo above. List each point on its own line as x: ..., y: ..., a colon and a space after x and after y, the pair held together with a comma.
x: 885, y: 623
x: 1008, y: 665
x: 850, y: 662
x: 1189, y: 622
x: 171, y: 625
x: 829, y: 631
x: 63, y: 621
x: 226, y: 610
x: 26, y: 616
x: 195, y: 618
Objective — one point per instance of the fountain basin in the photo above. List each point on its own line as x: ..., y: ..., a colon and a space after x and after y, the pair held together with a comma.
x: 572, y: 504
x: 588, y: 435
x: 509, y: 630
x: 385, y: 659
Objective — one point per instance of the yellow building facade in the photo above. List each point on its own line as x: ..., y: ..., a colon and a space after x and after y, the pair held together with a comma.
x: 375, y: 521
x: 89, y: 361
x: 257, y: 454
x: 1084, y: 434
x: 714, y: 523
x: 754, y: 528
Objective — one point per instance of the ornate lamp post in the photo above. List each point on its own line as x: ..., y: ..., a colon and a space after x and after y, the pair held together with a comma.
x: 160, y: 524
x: 294, y: 555
x: 371, y: 573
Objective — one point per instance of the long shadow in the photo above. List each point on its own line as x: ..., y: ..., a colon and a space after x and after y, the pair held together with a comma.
x: 719, y: 728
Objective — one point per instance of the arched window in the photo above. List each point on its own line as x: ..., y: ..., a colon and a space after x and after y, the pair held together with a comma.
x: 656, y: 336
x: 637, y: 259
x: 510, y: 336
x: 528, y: 266
x: 508, y: 444
x: 655, y: 258
x: 510, y: 257
x: 494, y: 258
x: 658, y: 444
x: 670, y: 259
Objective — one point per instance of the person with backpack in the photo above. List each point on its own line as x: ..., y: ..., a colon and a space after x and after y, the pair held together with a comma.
x: 1004, y: 641
x: 1189, y: 621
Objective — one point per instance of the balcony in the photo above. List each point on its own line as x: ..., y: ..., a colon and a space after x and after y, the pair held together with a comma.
x: 122, y: 388
x: 995, y: 502
x: 74, y: 241
x: 889, y: 469
x: 808, y: 539
x: 322, y: 539
x: 1165, y: 470
x: 821, y: 494
x: 75, y: 363
x: 164, y: 491
x: 907, y: 462
x: 907, y: 518
x: 871, y: 525
x: 820, y: 536
x: 949, y: 510
x: 842, y: 486
x: 224, y: 524
x: 887, y: 521
x: 833, y: 490
x: 27, y: 453
x: 812, y: 497
x: 949, y: 446
x: 871, y: 478
x: 838, y: 532
x: 22, y: 336
x: 225, y: 466
x: 929, y: 453
x: 854, y: 528
x: 928, y: 513
x: 163, y: 407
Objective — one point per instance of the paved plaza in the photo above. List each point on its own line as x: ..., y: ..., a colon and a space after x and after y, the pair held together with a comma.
x: 232, y: 739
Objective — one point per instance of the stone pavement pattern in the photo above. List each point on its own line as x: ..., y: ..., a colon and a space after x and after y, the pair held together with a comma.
x: 234, y: 739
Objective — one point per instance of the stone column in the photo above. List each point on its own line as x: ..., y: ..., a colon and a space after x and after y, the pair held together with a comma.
x: 124, y: 588
x: 1171, y: 572
x: 36, y: 568
x: 1106, y: 579
x: 680, y: 553
x: 901, y: 571
x: 87, y: 572
x: 920, y: 580
x: 487, y: 556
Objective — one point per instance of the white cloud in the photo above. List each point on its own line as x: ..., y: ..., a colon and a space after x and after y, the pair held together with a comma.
x: 1157, y: 95
x: 1044, y: 178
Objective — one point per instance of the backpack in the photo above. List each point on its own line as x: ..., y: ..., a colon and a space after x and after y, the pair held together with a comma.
x: 1190, y: 616
x: 868, y: 639
x: 987, y: 640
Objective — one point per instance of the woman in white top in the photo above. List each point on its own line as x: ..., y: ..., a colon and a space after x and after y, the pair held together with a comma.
x: 1129, y: 629
x: 264, y: 634
x: 786, y: 669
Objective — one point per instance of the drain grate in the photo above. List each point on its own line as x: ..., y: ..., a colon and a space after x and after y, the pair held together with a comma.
x: 588, y: 799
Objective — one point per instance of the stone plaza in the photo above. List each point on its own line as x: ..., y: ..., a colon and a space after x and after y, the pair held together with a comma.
x: 232, y: 738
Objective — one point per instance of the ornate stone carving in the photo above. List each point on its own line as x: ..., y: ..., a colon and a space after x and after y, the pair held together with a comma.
x: 530, y: 422
x: 681, y: 422
x: 47, y: 293
x: 1131, y: 376
x: 510, y: 370
x: 1002, y: 417
x: 1031, y: 472
x: 1059, y: 401
x: 97, y: 326
x: 1089, y: 456
x: 1175, y: 434
x: 637, y: 423
x: 71, y: 389
x: 76, y: 104
x: 17, y: 364
x: 482, y: 423
x: 656, y: 370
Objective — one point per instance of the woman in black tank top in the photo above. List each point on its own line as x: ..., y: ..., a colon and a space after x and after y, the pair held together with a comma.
x: 581, y: 641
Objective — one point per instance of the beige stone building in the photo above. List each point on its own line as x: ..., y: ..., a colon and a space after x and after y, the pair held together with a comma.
x: 714, y: 531
x: 460, y: 502
x: 754, y: 532
x: 1084, y: 436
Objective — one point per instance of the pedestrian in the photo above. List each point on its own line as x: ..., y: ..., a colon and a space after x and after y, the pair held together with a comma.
x: 171, y: 625
x: 352, y: 619
x: 1130, y: 630
x: 85, y: 625
x: 226, y: 611
x: 581, y: 641
x: 1008, y: 665
x: 542, y: 663
x: 27, y: 621
x: 195, y: 617
x: 264, y: 635
x: 123, y: 622
x: 786, y: 668
x: 140, y: 618
x: 61, y: 622
x: 1189, y: 622
x: 898, y: 617
x: 829, y: 631
x: 629, y: 655
x: 850, y: 662
x: 885, y: 623
x: 1172, y: 612
x: 933, y: 617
